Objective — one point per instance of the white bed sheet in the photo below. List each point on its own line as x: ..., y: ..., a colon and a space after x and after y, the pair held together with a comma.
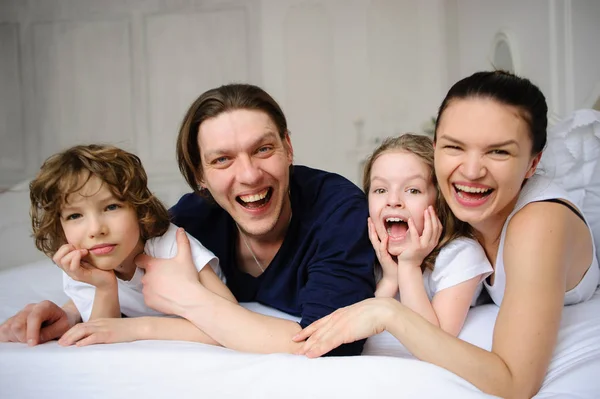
x: 164, y: 369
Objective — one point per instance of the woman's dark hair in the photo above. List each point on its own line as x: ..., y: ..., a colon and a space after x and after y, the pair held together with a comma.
x: 508, y: 89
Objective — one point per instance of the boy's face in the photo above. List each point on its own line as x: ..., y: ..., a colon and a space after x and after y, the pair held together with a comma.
x: 94, y: 219
x: 401, y: 188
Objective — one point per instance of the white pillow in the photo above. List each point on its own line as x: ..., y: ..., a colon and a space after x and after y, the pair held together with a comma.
x: 572, y: 158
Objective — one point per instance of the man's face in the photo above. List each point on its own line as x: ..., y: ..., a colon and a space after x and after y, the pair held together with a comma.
x: 246, y: 168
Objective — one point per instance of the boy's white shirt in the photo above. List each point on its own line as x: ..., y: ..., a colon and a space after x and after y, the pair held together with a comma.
x: 131, y: 299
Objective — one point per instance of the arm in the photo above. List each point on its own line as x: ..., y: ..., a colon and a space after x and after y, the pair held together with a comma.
x: 537, y: 253
x: 209, y: 279
x: 103, y: 330
x: 103, y: 282
x: 175, y: 292
x: 171, y: 286
x: 106, y: 301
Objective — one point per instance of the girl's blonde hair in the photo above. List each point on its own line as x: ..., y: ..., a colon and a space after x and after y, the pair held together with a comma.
x: 422, y: 147
x: 67, y: 172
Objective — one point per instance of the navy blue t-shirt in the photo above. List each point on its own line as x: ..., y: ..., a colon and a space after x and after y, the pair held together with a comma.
x: 326, y: 259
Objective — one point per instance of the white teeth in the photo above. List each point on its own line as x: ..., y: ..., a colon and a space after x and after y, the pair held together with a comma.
x: 469, y: 189
x: 254, y: 197
x: 394, y: 220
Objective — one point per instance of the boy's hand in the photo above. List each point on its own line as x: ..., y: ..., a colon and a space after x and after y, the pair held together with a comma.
x: 69, y: 259
x: 102, y: 331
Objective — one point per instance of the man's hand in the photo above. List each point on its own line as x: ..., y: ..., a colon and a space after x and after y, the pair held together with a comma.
x: 169, y: 283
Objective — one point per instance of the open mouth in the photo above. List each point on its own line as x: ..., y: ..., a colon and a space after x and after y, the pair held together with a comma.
x: 395, y: 227
x: 468, y: 193
x: 254, y: 201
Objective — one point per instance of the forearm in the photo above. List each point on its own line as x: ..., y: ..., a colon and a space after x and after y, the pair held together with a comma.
x: 167, y: 328
x: 72, y: 313
x: 261, y: 334
x: 387, y: 287
x: 413, y: 295
x: 106, y: 303
x: 486, y: 370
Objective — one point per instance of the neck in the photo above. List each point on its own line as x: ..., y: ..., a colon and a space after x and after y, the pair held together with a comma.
x: 489, y: 232
x: 126, y: 270
x: 257, y: 252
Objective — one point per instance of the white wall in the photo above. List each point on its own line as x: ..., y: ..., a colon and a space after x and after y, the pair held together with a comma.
x: 554, y: 42
x: 347, y: 72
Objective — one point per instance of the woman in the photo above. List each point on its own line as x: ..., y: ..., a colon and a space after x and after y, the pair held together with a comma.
x: 490, y: 133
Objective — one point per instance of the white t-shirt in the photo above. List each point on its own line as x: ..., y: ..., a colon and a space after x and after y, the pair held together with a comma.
x: 461, y: 260
x: 131, y: 298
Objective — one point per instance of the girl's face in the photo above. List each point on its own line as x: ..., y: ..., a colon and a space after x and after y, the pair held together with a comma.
x: 401, y: 188
x: 94, y: 219
x: 482, y: 157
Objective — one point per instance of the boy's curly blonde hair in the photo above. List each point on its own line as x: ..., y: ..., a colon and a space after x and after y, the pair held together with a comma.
x: 67, y: 172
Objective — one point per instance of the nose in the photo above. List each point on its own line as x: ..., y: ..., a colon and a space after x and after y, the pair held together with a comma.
x: 394, y: 199
x: 96, y: 226
x: 248, y: 172
x: 473, y: 167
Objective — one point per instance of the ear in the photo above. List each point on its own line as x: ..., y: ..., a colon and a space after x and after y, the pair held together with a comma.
x: 534, y: 164
x: 288, y: 144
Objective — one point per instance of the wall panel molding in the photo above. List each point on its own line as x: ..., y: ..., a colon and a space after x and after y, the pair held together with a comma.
x: 12, y: 150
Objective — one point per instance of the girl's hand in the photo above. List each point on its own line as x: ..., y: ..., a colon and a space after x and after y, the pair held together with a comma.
x: 69, y: 259
x: 101, y: 331
x: 389, y: 266
x: 352, y: 323
x: 421, y: 246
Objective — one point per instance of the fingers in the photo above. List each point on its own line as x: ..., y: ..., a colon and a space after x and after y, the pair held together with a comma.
x: 44, y: 312
x: 143, y: 261
x: 435, y: 221
x: 413, y: 233
x: 62, y: 251
x: 310, y: 329
x: 183, y: 245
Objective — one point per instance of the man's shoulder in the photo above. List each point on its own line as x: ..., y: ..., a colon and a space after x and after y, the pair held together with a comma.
x: 194, y: 210
x: 322, y: 185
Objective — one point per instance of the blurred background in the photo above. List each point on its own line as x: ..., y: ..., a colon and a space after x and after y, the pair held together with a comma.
x: 347, y: 73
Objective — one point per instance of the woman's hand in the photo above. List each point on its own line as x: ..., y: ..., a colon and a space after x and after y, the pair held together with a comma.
x: 421, y: 245
x: 170, y: 284
x: 352, y: 323
x: 102, y: 331
x: 69, y: 259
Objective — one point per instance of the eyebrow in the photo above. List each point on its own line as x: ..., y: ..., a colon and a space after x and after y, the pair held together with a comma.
x: 494, y: 145
x: 265, y: 137
x: 409, y: 178
x: 68, y: 206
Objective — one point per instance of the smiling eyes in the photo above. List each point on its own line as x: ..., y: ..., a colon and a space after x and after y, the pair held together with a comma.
x: 225, y: 160
x: 455, y: 150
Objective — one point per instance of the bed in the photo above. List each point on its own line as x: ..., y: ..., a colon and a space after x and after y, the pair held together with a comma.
x: 157, y: 369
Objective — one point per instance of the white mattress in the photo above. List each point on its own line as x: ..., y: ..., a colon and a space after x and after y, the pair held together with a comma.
x: 164, y: 369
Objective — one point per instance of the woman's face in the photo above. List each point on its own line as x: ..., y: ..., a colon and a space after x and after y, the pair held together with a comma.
x: 482, y: 156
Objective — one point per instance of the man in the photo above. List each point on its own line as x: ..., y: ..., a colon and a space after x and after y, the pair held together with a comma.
x: 289, y: 237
